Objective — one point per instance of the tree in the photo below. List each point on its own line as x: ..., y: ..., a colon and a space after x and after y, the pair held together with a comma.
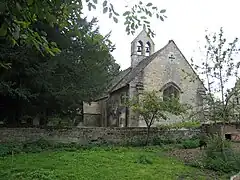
x: 218, y: 68
x: 56, y: 85
x: 152, y: 108
x: 18, y: 19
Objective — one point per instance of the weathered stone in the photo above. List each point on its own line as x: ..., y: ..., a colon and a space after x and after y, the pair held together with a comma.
x: 160, y: 70
x: 235, y: 177
x: 87, y: 135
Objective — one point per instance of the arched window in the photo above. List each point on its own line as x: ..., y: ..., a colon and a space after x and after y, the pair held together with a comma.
x: 139, y: 48
x: 171, y: 91
x: 147, y: 49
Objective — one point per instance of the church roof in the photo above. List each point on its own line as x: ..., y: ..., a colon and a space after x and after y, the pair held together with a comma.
x: 136, y: 70
x: 127, y: 75
x: 114, y: 82
x: 118, y: 78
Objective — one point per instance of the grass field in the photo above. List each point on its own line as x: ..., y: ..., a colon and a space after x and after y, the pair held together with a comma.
x: 98, y: 164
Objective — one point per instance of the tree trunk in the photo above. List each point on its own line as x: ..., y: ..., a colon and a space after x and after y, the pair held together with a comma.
x: 148, y: 134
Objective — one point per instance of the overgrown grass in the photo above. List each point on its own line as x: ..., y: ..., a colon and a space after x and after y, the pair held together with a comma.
x: 36, y: 146
x: 41, y: 145
x: 97, y: 163
x: 219, y: 156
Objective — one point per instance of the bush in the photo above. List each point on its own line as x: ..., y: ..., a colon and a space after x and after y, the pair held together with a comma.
x: 163, y: 141
x: 220, y: 156
x: 143, y: 159
x: 190, y: 143
x: 136, y: 142
x: 183, y: 124
x: 10, y: 148
x: 36, y: 146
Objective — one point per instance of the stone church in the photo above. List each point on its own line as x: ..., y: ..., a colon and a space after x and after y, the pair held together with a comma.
x: 165, y: 70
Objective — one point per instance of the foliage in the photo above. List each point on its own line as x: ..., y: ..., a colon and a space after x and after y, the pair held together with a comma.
x: 165, y: 140
x: 221, y: 157
x: 36, y: 147
x: 143, y: 159
x: 183, y: 124
x: 217, y: 158
x: 36, y: 86
x: 190, y: 143
x: 18, y: 20
x: 135, y: 142
x: 98, y: 163
x: 150, y: 107
x: 218, y: 68
x: 135, y: 16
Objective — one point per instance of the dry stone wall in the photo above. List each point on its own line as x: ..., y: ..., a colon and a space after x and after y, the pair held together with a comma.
x: 86, y: 136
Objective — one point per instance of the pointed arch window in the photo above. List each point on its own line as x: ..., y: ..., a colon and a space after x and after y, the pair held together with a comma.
x: 171, y: 91
x: 140, y: 48
x: 147, y: 48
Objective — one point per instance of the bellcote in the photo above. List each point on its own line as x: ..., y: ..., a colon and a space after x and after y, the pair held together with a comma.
x: 141, y: 47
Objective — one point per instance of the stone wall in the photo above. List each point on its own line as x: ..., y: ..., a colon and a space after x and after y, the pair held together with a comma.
x: 92, y: 114
x: 90, y: 135
x: 226, y: 129
x: 163, y: 71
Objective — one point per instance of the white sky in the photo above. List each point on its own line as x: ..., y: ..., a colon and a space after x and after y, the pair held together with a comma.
x: 186, y: 24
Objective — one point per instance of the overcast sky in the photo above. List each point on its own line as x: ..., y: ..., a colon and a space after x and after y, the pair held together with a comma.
x: 186, y: 24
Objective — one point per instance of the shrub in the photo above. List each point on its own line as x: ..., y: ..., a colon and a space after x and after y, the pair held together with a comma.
x: 220, y: 156
x: 7, y: 149
x: 190, y: 143
x: 183, y: 124
x: 136, y: 142
x: 143, y: 159
x: 36, y: 146
x: 163, y: 141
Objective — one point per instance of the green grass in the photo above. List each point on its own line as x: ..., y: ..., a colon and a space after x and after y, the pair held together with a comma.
x: 97, y: 163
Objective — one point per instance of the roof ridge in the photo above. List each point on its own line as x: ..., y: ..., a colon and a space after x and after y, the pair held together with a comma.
x: 138, y: 68
x: 129, y: 68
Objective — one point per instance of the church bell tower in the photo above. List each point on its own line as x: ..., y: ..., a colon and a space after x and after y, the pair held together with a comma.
x: 141, y: 47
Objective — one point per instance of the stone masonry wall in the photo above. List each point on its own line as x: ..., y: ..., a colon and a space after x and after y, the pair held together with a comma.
x: 163, y: 70
x: 89, y: 135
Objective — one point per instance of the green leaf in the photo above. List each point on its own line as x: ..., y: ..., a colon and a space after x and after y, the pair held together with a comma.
x: 114, y: 10
x: 95, y: 1
x: 110, y: 15
x: 143, y: 17
x: 161, y: 18
x: 150, y: 14
x: 104, y: 3
x: 163, y: 11
x: 115, y: 19
x: 126, y: 13
x: 105, y: 10
x: 54, y: 44
x: 89, y: 6
x: 126, y: 22
x: 132, y: 26
x: 94, y: 7
x: 30, y: 2
x: 3, y: 30
x: 149, y: 4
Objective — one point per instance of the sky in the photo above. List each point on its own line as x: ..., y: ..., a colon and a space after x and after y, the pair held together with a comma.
x: 186, y: 23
